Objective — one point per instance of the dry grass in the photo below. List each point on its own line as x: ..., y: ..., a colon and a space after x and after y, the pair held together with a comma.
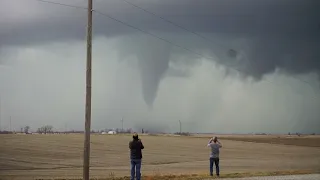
x: 200, y: 176
x: 60, y: 156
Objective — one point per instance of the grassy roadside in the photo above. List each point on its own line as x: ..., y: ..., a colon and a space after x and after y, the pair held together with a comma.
x: 201, y: 176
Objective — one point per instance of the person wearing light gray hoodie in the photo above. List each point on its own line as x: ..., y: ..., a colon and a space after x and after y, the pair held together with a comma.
x: 215, y: 146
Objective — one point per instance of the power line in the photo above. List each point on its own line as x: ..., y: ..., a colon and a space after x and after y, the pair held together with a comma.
x: 171, y: 22
x: 62, y: 4
x: 160, y: 38
x: 193, y: 32
x: 181, y: 27
x: 186, y: 49
x: 168, y: 21
x: 133, y: 27
x: 169, y: 42
x: 151, y: 34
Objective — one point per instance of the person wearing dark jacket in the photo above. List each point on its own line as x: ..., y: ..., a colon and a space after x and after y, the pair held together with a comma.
x: 135, y: 147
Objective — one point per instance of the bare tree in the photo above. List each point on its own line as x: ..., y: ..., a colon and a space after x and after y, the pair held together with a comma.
x: 45, y: 129
x: 49, y: 128
x: 26, y: 129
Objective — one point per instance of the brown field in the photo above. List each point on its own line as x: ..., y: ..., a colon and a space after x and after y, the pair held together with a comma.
x: 60, y: 156
x: 304, y: 140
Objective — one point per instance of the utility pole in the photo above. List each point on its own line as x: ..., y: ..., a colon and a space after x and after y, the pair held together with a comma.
x: 180, y: 126
x: 86, y: 150
x: 65, y: 127
x: 10, y: 125
x: 122, y: 125
x: 0, y: 113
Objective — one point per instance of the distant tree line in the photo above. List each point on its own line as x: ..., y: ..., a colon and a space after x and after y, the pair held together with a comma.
x: 45, y: 129
x: 182, y: 133
x: 6, y: 132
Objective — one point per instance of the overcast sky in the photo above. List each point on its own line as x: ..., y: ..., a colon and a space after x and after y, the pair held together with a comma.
x: 249, y: 66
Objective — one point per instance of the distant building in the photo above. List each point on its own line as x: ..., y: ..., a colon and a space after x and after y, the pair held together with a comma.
x: 112, y: 132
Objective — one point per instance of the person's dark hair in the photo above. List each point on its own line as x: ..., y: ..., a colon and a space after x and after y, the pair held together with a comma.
x: 135, y: 136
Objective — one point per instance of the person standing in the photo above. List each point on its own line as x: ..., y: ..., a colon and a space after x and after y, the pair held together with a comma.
x: 135, y: 147
x: 215, y: 146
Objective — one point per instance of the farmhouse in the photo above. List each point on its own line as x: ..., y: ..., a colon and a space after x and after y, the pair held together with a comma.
x: 112, y: 132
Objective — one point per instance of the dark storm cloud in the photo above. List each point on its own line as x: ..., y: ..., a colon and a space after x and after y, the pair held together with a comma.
x: 245, y: 17
x: 265, y: 35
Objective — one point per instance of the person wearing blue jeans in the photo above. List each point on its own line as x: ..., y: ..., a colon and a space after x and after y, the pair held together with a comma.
x: 135, y: 147
x: 215, y: 146
x: 135, y: 168
x: 214, y: 161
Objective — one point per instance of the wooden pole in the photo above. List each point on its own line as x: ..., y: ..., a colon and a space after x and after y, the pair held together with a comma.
x: 122, y: 125
x: 0, y: 113
x: 86, y: 150
x: 180, y: 126
x: 10, y: 125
